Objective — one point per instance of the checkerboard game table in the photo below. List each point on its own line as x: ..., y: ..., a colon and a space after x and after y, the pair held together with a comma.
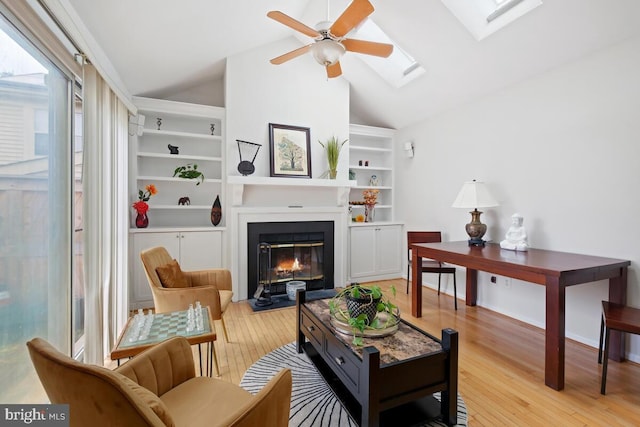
x: 164, y: 326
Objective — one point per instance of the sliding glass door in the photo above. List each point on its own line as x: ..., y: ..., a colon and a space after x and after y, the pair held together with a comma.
x: 40, y: 226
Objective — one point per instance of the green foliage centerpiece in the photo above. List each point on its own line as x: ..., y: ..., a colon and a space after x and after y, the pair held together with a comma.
x: 332, y: 146
x: 365, y: 309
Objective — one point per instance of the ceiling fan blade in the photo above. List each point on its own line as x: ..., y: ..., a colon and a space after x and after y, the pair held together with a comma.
x: 334, y: 70
x: 290, y: 55
x: 355, y: 13
x: 292, y: 23
x: 368, y: 48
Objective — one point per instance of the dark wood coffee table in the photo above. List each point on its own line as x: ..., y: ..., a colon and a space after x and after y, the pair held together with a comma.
x: 387, y: 377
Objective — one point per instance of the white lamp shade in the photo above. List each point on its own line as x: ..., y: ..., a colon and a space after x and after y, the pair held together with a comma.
x: 474, y: 194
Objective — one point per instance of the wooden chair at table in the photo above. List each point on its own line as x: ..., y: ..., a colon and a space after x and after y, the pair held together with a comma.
x: 428, y: 265
x: 615, y: 317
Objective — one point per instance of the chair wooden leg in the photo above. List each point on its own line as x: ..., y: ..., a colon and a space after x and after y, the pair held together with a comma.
x: 455, y: 292
x: 605, y: 361
x: 224, y: 329
x: 601, y: 337
x: 408, y: 272
x: 212, y: 358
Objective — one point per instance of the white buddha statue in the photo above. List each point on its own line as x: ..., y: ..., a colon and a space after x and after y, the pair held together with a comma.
x: 516, y: 237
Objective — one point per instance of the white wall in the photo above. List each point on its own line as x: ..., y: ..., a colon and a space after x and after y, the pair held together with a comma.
x: 208, y: 93
x: 563, y: 150
x: 295, y: 93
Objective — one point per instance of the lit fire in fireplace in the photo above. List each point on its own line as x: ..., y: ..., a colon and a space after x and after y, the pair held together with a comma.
x: 289, y: 266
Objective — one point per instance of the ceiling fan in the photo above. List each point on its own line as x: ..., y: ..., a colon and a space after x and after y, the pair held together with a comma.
x: 330, y: 42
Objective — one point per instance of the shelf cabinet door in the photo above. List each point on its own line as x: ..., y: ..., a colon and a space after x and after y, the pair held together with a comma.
x: 375, y: 252
x: 200, y: 250
x: 388, y: 247
x: 362, y: 251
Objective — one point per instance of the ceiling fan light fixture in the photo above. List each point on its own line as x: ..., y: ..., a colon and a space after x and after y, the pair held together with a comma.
x: 327, y: 52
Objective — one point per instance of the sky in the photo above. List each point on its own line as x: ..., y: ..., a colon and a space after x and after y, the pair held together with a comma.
x: 15, y: 60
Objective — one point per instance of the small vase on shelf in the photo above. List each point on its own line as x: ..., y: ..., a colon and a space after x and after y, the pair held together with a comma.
x: 142, y: 220
x: 369, y: 211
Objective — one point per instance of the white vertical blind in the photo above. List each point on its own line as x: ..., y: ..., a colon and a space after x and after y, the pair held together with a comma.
x: 105, y: 126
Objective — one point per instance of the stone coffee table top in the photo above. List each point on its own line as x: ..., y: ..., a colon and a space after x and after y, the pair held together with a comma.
x: 405, y: 343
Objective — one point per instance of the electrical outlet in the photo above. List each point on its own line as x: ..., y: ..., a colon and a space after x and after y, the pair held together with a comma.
x: 494, y: 279
x: 507, y: 282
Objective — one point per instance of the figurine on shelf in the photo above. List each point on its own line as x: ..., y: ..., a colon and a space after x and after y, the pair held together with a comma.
x: 173, y: 149
x: 516, y: 237
x: 216, y: 212
x: 159, y: 122
x: 183, y: 201
x: 374, y: 181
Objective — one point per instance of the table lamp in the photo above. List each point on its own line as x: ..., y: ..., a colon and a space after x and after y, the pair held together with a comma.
x: 474, y: 194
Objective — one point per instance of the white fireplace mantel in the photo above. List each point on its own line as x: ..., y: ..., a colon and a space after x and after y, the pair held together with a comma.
x: 239, y: 184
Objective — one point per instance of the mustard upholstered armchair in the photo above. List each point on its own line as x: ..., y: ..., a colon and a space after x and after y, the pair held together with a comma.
x: 158, y: 387
x: 211, y: 287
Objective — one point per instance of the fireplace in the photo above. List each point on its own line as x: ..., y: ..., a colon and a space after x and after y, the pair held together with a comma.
x: 298, y: 251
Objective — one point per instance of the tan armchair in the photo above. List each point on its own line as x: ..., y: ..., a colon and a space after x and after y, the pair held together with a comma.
x: 156, y: 388
x: 211, y: 287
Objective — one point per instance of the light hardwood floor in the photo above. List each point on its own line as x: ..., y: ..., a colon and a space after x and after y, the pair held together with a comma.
x: 501, y: 364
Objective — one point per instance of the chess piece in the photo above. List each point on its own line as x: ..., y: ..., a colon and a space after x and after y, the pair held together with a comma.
x: 516, y: 237
x: 173, y: 149
x: 191, y: 321
x: 199, y: 319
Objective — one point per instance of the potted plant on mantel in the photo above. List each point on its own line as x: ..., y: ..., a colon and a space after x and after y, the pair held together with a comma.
x: 332, y: 146
x: 364, y: 308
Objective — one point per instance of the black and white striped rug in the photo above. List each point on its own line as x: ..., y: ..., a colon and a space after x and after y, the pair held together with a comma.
x: 313, y: 403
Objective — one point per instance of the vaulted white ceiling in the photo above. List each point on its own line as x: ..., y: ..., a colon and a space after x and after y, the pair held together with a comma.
x: 160, y: 46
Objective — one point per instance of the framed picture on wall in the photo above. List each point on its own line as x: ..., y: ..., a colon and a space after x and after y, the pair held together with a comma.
x: 290, y: 148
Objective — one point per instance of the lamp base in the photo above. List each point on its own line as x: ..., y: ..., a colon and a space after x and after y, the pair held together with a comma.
x: 476, y: 242
x: 475, y: 229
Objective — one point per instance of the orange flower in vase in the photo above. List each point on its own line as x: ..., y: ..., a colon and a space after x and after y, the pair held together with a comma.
x: 141, y: 206
x: 370, y: 200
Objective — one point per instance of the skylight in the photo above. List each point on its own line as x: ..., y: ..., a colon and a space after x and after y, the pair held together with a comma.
x: 399, y: 68
x: 484, y: 17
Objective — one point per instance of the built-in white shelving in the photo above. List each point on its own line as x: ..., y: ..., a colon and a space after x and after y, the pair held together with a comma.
x: 184, y: 230
x: 371, y: 154
x: 198, y: 132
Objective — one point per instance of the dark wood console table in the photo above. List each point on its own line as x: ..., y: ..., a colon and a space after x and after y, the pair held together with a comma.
x: 381, y: 381
x: 554, y: 270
